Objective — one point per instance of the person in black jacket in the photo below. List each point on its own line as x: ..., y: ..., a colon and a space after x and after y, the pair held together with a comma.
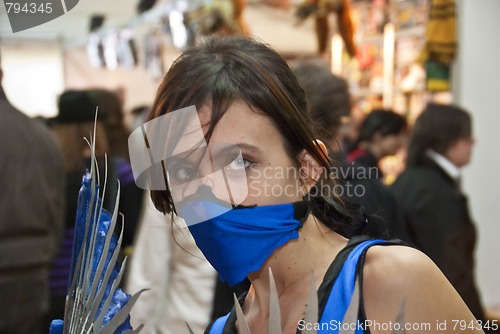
x: 31, y: 218
x: 437, y: 218
x: 330, y: 108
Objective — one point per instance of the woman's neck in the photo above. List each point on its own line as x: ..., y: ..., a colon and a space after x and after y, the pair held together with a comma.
x: 293, y: 266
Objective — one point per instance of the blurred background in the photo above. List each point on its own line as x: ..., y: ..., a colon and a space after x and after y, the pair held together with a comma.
x: 378, y: 46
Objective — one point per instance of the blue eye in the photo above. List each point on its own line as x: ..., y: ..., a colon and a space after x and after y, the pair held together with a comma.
x: 238, y: 164
x: 184, y: 174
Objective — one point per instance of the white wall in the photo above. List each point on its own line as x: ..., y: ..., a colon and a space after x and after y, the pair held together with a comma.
x: 277, y: 28
x: 477, y: 88
x: 139, y: 87
x: 33, y: 77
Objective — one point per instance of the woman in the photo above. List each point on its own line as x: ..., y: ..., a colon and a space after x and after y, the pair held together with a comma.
x: 438, y: 221
x: 382, y: 133
x: 117, y: 134
x: 286, y: 216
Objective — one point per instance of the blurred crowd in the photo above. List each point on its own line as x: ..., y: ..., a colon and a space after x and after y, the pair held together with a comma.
x: 43, y: 161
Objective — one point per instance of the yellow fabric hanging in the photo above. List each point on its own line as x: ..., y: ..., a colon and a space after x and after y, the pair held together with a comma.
x: 441, y: 35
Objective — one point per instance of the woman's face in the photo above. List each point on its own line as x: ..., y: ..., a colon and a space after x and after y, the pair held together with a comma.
x: 245, y: 163
x: 391, y: 144
x: 460, y: 152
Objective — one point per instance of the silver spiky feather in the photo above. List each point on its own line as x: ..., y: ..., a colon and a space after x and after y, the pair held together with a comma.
x: 95, y: 304
x: 311, y: 315
x: 274, y: 325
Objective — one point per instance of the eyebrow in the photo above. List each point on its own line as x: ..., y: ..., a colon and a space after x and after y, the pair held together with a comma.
x: 238, y: 147
x: 248, y: 147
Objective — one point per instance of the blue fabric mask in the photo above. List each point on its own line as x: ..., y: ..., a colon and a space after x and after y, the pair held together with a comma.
x: 239, y: 241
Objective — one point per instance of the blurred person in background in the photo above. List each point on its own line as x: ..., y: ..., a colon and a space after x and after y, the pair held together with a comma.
x: 436, y: 214
x: 117, y: 133
x: 108, y: 103
x: 330, y: 102
x: 180, y: 282
x: 382, y: 133
x: 330, y: 107
x: 139, y: 116
x: 31, y: 218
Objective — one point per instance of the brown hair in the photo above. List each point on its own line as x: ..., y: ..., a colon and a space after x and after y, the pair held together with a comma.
x: 113, y: 120
x: 73, y: 146
x: 437, y: 128
x: 327, y: 95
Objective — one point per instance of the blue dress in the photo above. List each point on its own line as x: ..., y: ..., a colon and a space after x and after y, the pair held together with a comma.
x: 334, y: 293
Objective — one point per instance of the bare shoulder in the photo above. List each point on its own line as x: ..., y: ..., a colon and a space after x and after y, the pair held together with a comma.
x: 396, y: 272
x: 401, y: 277
x: 398, y: 266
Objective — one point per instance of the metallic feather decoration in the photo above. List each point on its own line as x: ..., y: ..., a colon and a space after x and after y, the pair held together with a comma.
x: 274, y: 325
x: 274, y: 306
x: 311, y: 315
x: 95, y: 304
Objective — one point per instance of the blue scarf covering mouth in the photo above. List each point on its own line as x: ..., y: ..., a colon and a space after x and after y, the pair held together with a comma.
x: 237, y: 241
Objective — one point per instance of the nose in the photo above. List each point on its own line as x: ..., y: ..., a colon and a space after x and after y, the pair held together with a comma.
x: 192, y: 187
